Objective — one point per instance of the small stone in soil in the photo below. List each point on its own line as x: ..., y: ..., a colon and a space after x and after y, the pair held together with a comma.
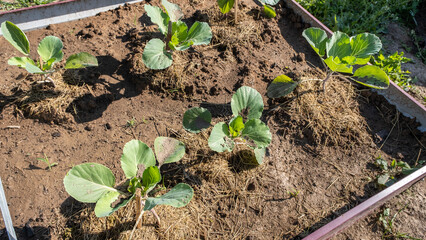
x: 88, y: 128
x: 108, y: 126
x: 56, y: 134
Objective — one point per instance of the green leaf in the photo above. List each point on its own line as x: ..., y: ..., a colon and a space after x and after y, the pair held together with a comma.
x: 16, y: 37
x: 269, y: 11
x: 151, y: 176
x: 365, y: 45
x: 225, y: 5
x: 219, y: 139
x: 382, y: 179
x: 33, y: 69
x: 179, y: 34
x: 87, y: 182
x: 281, y: 86
x: 247, y: 98
x: 81, y: 60
x: 382, y: 163
x: 20, y: 61
x: 236, y: 126
x: 196, y: 119
x: 336, y: 65
x: 134, y: 183
x: 339, y: 45
x: 257, y: 131
x: 372, y: 76
x: 173, y: 10
x: 200, y: 33
x: 50, y: 47
x: 104, y: 206
x: 136, y: 153
x: 168, y: 150
x: 317, y: 38
x: 158, y: 17
x: 49, y: 64
x: 155, y: 55
x: 259, y: 153
x: 179, y: 196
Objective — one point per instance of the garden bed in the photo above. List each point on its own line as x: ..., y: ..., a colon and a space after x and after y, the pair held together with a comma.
x: 323, y: 145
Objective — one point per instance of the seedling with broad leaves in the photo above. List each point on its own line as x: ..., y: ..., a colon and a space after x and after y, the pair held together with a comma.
x: 95, y: 183
x: 158, y: 53
x: 49, y: 50
x: 244, y: 128
x: 226, y: 5
x: 390, y: 172
x: 340, y: 54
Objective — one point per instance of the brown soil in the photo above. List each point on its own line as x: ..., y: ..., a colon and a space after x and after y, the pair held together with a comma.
x: 323, y: 145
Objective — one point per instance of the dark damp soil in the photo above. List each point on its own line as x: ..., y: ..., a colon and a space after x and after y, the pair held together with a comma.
x: 232, y: 200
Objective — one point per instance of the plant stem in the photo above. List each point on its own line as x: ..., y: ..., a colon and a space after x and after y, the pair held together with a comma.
x: 169, y: 36
x: 156, y: 216
x: 137, y: 222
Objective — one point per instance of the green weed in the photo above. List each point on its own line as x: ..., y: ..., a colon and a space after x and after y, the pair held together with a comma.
x: 389, y: 231
x: 47, y: 161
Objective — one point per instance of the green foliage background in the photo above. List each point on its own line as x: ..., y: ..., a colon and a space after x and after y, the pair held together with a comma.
x: 354, y: 17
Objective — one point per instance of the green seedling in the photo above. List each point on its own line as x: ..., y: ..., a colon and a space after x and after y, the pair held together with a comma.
x: 47, y: 161
x: 293, y: 193
x: 340, y: 54
x: 95, y: 183
x: 392, y: 67
x: 49, y: 50
x: 389, y: 231
x: 390, y: 172
x: 131, y: 123
x: 226, y: 5
x: 158, y: 53
x: 244, y: 128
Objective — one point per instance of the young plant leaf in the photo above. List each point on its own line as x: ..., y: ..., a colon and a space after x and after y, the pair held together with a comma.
x: 31, y: 68
x: 20, y: 61
x: 225, y: 5
x: 179, y: 196
x: 88, y: 182
x: 196, y: 119
x: 219, y: 139
x: 50, y: 48
x: 259, y: 153
x: 281, y: 86
x: 104, y: 206
x: 16, y: 37
x: 382, y: 163
x: 173, y: 10
x: 336, y: 65
x: 180, y: 33
x: 168, y: 150
x: 317, y: 38
x: 136, y: 153
x: 363, y: 46
x: 339, y: 45
x: 247, y: 99
x: 269, y: 11
x: 257, y: 131
x: 236, y: 126
x: 158, y: 17
x: 151, y: 176
x: 200, y: 33
x: 372, y: 76
x: 81, y: 60
x: 383, y: 179
x: 155, y: 55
